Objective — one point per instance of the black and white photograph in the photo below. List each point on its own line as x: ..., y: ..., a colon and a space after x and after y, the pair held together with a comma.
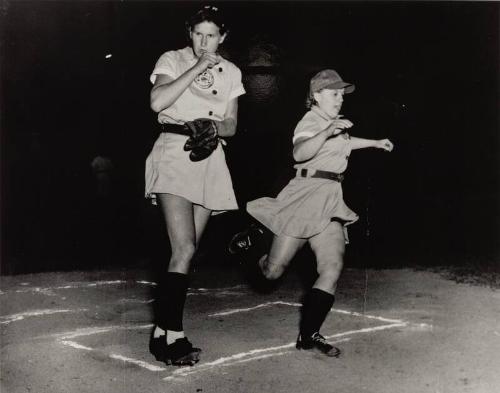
x: 249, y: 196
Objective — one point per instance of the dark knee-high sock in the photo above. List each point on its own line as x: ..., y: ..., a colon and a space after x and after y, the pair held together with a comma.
x: 171, y: 299
x: 315, y: 308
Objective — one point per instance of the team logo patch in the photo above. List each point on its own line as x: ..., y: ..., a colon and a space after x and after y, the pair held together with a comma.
x: 204, y: 80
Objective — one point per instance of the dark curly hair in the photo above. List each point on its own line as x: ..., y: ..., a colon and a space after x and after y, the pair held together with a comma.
x: 310, y: 101
x: 208, y: 13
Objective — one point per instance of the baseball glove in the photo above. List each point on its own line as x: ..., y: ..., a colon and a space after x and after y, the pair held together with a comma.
x: 203, y: 140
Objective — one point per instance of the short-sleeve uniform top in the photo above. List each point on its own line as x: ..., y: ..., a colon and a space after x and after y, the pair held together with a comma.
x: 168, y: 167
x: 306, y: 206
x: 334, y: 154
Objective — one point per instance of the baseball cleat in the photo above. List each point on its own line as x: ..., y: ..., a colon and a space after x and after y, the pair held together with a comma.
x: 179, y: 353
x: 317, y: 343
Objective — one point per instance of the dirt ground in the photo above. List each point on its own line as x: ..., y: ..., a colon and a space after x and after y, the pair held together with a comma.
x: 399, y: 330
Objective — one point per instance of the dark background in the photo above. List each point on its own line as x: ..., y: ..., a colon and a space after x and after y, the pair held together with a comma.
x: 426, y: 77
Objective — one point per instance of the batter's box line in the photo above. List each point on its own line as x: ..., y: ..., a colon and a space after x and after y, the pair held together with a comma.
x: 81, y: 285
x: 243, y: 357
x: 279, y: 302
x: 67, y: 339
x: 256, y: 354
x: 6, y: 319
x: 262, y: 353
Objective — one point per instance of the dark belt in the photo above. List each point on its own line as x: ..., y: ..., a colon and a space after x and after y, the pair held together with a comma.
x: 304, y: 172
x: 175, y: 129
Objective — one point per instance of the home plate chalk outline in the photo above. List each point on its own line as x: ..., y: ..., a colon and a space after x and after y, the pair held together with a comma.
x: 179, y: 374
x: 260, y: 353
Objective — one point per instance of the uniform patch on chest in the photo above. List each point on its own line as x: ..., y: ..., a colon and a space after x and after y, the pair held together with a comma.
x: 204, y: 80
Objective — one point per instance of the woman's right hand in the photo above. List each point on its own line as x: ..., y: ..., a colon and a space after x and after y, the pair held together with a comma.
x: 207, y: 60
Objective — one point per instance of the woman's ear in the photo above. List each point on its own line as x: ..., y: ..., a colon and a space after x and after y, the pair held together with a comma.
x: 315, y: 96
x: 222, y: 38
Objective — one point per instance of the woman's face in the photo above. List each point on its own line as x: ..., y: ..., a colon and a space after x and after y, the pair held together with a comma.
x: 330, y: 101
x: 206, y: 37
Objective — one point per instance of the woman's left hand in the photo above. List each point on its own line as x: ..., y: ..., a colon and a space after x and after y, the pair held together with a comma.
x: 385, y: 144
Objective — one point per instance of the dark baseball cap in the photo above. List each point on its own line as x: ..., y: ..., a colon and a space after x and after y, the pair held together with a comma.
x: 329, y: 79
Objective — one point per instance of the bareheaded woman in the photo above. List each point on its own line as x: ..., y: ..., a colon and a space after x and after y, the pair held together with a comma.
x: 195, y: 94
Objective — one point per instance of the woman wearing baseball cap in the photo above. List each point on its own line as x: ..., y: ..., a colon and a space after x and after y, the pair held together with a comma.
x: 192, y: 85
x: 311, y: 208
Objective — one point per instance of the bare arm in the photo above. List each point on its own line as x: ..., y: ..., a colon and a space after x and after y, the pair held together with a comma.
x: 360, y: 143
x: 306, y: 148
x: 227, y: 127
x: 167, y: 90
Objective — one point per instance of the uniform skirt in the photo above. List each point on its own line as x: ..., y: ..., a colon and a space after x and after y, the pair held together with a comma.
x: 206, y: 183
x: 304, y: 208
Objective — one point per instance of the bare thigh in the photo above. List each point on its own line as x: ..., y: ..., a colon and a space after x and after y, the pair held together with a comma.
x: 201, y: 217
x: 283, y: 249
x: 185, y: 224
x: 329, y: 247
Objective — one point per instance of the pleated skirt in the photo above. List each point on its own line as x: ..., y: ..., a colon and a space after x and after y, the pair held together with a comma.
x: 206, y: 183
x: 304, y: 208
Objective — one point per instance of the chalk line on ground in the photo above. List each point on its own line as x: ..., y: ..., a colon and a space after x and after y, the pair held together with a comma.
x: 76, y: 345
x: 140, y: 363
x: 79, y: 285
x: 279, y: 302
x: 243, y: 357
x: 35, y: 313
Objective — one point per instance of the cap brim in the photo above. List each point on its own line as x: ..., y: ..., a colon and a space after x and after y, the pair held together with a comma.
x: 348, y: 87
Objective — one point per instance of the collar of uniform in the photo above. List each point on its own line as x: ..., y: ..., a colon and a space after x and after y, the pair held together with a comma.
x: 316, y: 109
x: 188, y: 54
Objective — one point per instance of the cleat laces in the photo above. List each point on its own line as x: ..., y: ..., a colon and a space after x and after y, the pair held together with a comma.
x: 324, y: 346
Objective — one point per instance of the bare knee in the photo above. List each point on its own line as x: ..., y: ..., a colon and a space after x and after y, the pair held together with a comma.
x: 270, y: 270
x: 272, y: 273
x: 328, y: 275
x: 329, y: 278
x: 332, y: 268
x: 181, y: 257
